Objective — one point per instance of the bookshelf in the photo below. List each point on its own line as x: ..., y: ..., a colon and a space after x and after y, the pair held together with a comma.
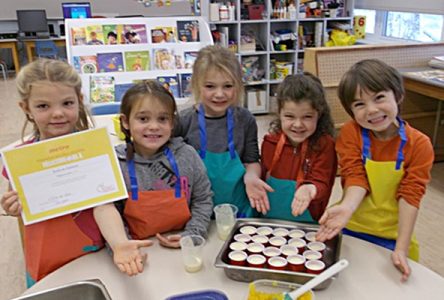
x: 281, y: 30
x: 138, y: 48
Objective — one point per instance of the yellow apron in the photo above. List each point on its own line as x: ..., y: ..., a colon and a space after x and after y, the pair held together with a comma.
x: 377, y: 215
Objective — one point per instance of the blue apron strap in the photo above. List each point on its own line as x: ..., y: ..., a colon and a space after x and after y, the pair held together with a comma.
x: 230, y: 127
x: 366, y: 145
x: 173, y: 164
x: 133, y: 180
x: 202, y: 132
x: 403, y: 136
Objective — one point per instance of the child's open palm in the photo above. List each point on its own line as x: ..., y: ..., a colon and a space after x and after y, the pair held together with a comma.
x: 11, y: 204
x: 256, y: 190
x: 333, y: 221
x: 128, y: 257
x: 302, y: 198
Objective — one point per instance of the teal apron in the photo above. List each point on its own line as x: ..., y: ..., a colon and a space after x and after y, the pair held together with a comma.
x: 225, y: 170
x: 280, y: 200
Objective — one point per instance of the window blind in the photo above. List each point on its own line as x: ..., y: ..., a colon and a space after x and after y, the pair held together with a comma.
x: 423, y: 6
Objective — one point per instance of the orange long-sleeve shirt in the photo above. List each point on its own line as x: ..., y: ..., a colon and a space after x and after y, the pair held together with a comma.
x: 418, y: 160
x: 320, y: 167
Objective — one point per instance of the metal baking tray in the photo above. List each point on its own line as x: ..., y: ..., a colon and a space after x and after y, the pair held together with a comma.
x: 249, y: 274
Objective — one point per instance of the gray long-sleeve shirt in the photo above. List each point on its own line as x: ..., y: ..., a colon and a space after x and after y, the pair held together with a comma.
x: 245, y: 133
x: 156, y: 173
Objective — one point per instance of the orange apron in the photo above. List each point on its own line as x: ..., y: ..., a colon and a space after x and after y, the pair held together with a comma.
x: 377, y: 215
x: 52, y: 243
x: 151, y: 212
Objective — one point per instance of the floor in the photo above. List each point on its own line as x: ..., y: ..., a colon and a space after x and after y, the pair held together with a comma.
x: 12, y: 282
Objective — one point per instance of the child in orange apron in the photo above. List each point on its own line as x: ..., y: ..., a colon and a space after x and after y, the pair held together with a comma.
x: 298, y: 155
x: 224, y: 133
x: 385, y: 165
x: 51, y: 98
x: 167, y: 182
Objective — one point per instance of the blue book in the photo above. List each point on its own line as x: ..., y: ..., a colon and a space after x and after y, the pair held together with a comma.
x: 120, y: 90
x: 185, y: 85
x: 171, y: 84
x: 110, y: 62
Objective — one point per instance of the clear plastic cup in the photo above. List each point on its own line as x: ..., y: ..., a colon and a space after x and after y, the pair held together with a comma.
x: 191, y: 247
x: 225, y: 215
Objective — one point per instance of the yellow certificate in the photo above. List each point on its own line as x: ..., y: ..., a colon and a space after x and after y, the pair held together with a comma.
x: 66, y: 174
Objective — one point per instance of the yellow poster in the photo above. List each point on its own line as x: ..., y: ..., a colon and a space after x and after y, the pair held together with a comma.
x: 65, y: 174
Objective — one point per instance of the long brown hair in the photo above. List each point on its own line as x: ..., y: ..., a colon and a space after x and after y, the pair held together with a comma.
x: 148, y: 90
x: 305, y: 87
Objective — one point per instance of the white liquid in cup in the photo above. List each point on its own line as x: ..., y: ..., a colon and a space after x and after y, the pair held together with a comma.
x: 296, y: 233
x: 248, y: 230
x: 280, y: 232
x: 193, y: 264
x: 223, y: 231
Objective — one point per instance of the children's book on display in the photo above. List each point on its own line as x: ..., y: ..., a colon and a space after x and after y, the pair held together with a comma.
x: 171, y: 84
x: 120, y: 90
x: 110, y: 62
x: 188, y: 31
x: 94, y: 35
x: 102, y: 89
x: 137, y: 61
x: 185, y: 85
x: 135, y: 34
x: 164, y: 59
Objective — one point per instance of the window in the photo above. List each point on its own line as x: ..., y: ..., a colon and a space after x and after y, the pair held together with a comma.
x: 414, y: 26
x: 404, y: 25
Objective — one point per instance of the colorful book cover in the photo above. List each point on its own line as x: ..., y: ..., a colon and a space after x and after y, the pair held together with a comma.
x: 120, y: 90
x: 137, y: 61
x: 134, y: 34
x: 185, y: 85
x: 110, y: 62
x: 78, y: 36
x: 190, y: 57
x: 171, y: 84
x: 164, y: 59
x: 76, y: 63
x: 94, y: 35
x: 113, y: 34
x: 88, y: 64
x: 102, y: 89
x: 188, y: 31
x: 180, y: 62
x: 163, y: 35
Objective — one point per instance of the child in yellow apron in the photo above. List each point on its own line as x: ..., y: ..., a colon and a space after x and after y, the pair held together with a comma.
x: 385, y: 165
x: 169, y: 190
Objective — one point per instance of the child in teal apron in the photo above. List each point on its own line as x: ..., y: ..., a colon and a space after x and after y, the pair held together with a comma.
x: 224, y: 134
x: 298, y: 155
x: 385, y: 165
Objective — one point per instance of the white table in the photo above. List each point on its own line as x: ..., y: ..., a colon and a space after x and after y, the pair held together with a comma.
x: 370, y: 275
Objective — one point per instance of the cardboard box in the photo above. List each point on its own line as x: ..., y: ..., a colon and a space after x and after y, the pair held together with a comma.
x: 256, y: 100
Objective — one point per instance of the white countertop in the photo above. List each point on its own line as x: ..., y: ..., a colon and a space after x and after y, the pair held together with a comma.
x: 370, y: 275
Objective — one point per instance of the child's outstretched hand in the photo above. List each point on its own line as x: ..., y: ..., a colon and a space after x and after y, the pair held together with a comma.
x: 11, y: 204
x: 399, y: 259
x: 333, y: 221
x: 170, y: 241
x: 128, y: 257
x: 256, y: 190
x: 302, y: 198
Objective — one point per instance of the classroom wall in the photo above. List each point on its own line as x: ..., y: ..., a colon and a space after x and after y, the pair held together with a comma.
x: 98, y: 7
